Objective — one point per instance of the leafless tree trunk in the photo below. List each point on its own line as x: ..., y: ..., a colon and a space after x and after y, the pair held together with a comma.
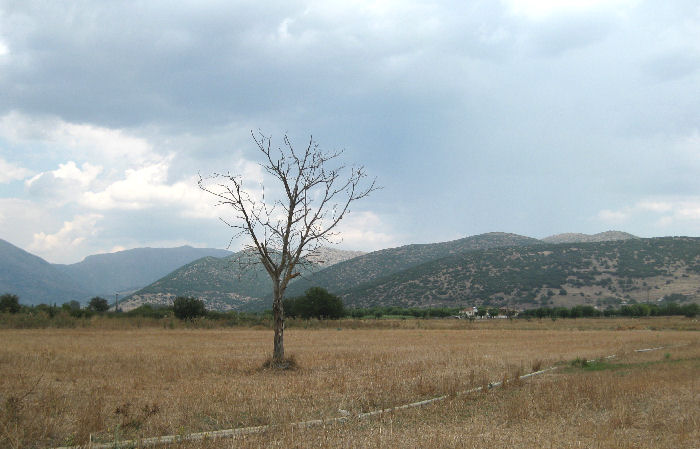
x: 313, y: 197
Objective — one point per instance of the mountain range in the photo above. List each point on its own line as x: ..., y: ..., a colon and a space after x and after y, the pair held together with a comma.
x: 37, y: 281
x: 493, y: 268
x: 564, y: 274
x: 33, y: 279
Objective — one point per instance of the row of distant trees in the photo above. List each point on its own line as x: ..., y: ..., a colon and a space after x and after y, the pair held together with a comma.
x: 315, y: 303
x: 9, y: 303
x: 319, y: 303
x: 631, y: 310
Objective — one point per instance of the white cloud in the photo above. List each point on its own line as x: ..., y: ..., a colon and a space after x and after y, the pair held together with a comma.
x: 63, y: 185
x: 140, y: 188
x: 655, y: 206
x: 11, y: 172
x: 61, y: 244
x: 365, y: 231
x: 16, y: 216
x: 203, y: 204
x: 112, y: 143
x: 676, y: 215
x: 613, y: 217
x: 69, y: 172
x: 79, y: 141
x: 688, y: 210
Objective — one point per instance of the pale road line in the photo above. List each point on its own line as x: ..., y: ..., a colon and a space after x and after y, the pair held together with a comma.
x: 229, y: 433
x: 648, y: 349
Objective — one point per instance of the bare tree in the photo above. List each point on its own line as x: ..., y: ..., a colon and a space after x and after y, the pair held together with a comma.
x: 314, y: 195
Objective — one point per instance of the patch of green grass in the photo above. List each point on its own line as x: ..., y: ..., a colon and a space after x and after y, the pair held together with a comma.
x: 607, y: 364
x: 592, y: 365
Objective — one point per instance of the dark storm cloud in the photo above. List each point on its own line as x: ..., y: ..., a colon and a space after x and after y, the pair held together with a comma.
x: 529, y: 119
x: 123, y: 64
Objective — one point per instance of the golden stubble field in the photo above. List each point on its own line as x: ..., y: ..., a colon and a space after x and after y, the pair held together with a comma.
x: 69, y: 386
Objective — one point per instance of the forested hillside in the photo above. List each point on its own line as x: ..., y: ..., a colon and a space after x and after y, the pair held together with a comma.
x: 361, y: 270
x: 562, y: 274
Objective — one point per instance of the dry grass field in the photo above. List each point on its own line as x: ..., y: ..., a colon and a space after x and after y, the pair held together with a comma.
x: 67, y: 386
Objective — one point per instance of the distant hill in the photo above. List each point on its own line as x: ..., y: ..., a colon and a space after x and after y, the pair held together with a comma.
x: 573, y: 237
x: 601, y: 273
x: 35, y: 280
x: 364, y: 269
x: 233, y: 282
x: 222, y: 285
x: 105, y: 274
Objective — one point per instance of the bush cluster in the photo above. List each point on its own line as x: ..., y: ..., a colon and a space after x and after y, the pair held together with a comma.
x: 188, y: 308
x: 317, y: 302
x: 9, y: 303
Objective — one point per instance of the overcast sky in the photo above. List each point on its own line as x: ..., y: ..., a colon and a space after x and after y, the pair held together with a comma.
x: 535, y: 117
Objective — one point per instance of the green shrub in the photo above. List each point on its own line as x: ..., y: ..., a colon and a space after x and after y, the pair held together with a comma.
x: 98, y: 304
x: 317, y: 302
x: 9, y: 303
x: 148, y: 311
x: 188, y: 308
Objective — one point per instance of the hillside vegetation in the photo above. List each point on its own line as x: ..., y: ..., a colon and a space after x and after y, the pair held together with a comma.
x: 564, y: 274
x: 494, y: 269
x: 223, y: 284
x: 364, y: 269
x: 234, y: 282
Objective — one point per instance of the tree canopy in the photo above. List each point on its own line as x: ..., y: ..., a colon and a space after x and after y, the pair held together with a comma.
x: 316, y: 302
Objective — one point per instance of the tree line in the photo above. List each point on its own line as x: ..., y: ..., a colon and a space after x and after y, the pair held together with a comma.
x: 318, y: 303
x: 631, y: 310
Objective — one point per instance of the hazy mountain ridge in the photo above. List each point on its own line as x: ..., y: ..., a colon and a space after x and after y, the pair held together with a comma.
x: 576, y: 237
x: 105, y: 274
x: 493, y: 268
x: 35, y: 280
